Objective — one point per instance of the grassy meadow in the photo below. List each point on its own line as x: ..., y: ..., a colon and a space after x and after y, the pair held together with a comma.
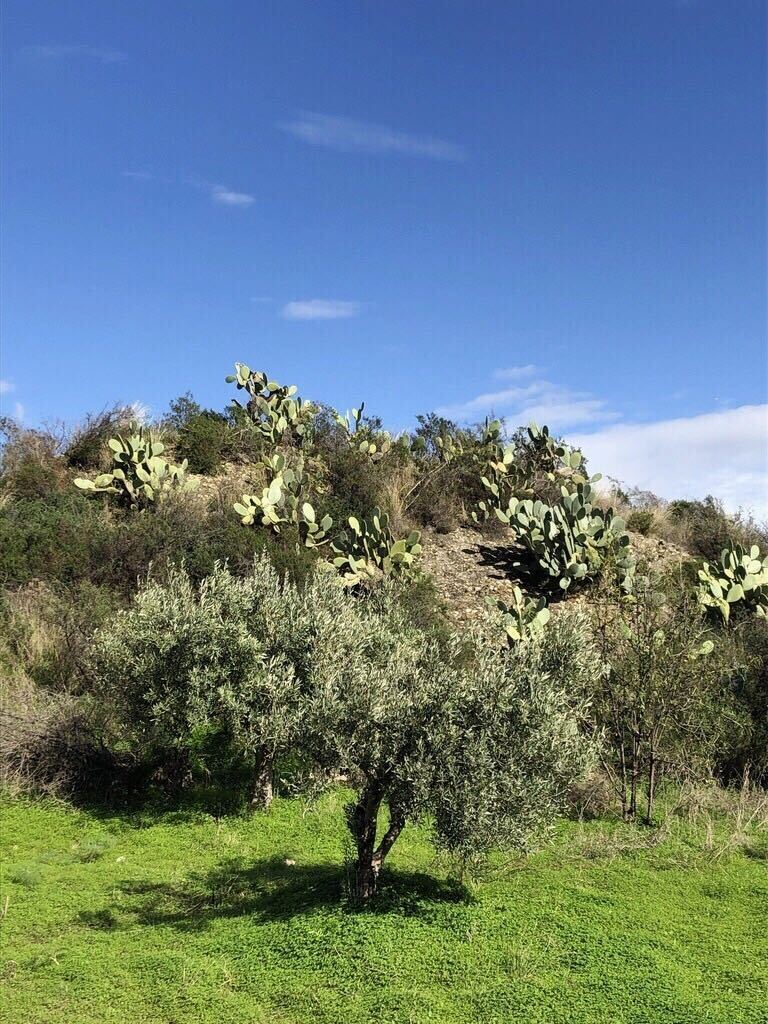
x: 174, y: 917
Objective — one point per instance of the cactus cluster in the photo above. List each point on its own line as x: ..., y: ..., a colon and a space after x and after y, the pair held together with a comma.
x: 282, y: 502
x: 740, y: 577
x: 557, y: 459
x: 523, y: 617
x: 362, y: 440
x: 572, y: 538
x: 448, y: 448
x: 502, y: 476
x: 140, y: 474
x: 369, y: 550
x: 274, y: 410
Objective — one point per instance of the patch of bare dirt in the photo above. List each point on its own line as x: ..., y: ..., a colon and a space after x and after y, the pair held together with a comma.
x: 468, y: 567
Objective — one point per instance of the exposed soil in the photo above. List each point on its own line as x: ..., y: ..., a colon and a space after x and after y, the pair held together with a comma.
x: 468, y: 568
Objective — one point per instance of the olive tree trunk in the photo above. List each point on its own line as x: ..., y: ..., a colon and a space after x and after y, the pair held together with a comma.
x: 262, y: 790
x: 363, y: 820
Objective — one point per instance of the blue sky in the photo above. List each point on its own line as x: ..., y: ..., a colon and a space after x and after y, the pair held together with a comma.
x: 540, y: 207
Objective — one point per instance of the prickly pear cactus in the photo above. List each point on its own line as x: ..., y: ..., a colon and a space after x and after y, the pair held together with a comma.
x: 140, y: 475
x: 283, y: 501
x: 523, y: 618
x: 369, y: 550
x: 739, y: 578
x: 572, y: 539
x: 360, y: 438
x: 274, y: 410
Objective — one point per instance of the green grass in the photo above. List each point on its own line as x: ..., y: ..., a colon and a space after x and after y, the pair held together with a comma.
x: 177, y: 917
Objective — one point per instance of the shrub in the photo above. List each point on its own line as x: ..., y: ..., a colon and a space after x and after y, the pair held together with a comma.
x: 592, y: 797
x: 201, y: 436
x: 662, y: 700
x: 87, y: 448
x: 640, y: 520
x: 62, y: 538
x: 704, y: 527
x: 748, y: 682
x: 219, y: 658
x: 353, y: 483
x: 47, y: 631
x: 30, y: 466
x: 486, y: 741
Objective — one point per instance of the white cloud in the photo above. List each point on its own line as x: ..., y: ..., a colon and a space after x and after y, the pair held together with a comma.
x: 540, y: 400
x: 349, y: 136
x: 225, y: 196
x: 101, y: 54
x: 320, y: 309
x: 516, y: 372
x: 18, y: 412
x: 5, y: 387
x: 720, y: 453
x: 221, y: 194
x: 141, y: 176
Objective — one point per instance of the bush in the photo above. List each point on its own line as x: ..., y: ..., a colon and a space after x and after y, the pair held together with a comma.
x: 352, y: 483
x: 47, y: 631
x: 640, y: 520
x: 662, y: 700
x: 62, y: 537
x: 30, y: 466
x: 748, y: 681
x: 69, y: 538
x: 705, y: 528
x: 87, y: 447
x: 592, y: 797
x: 206, y: 440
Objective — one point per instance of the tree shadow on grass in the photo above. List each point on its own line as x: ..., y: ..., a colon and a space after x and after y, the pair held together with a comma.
x: 271, y: 890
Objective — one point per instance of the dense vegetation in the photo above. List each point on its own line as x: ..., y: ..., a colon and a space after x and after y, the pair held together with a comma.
x: 204, y: 610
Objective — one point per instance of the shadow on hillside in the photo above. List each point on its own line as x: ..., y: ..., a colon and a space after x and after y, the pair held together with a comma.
x: 270, y: 890
x: 516, y: 565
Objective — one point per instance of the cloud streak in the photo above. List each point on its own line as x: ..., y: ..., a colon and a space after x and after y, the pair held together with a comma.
x: 320, y: 309
x: 221, y: 195
x: 516, y: 372
x: 540, y: 400
x: 60, y: 52
x: 350, y: 136
x: 227, y: 197
x: 5, y: 387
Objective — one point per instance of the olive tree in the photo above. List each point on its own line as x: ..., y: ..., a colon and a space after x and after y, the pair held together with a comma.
x: 479, y: 739
x: 224, y: 653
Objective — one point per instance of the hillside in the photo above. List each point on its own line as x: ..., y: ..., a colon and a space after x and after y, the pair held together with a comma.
x: 237, y: 676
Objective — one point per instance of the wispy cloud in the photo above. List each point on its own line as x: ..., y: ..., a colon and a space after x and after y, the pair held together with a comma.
x: 516, y: 372
x: 320, y: 309
x: 226, y: 197
x: 720, y: 453
x: 5, y: 387
x: 18, y: 412
x: 142, y: 176
x: 540, y: 400
x: 222, y: 195
x: 350, y: 136
x: 69, y: 51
